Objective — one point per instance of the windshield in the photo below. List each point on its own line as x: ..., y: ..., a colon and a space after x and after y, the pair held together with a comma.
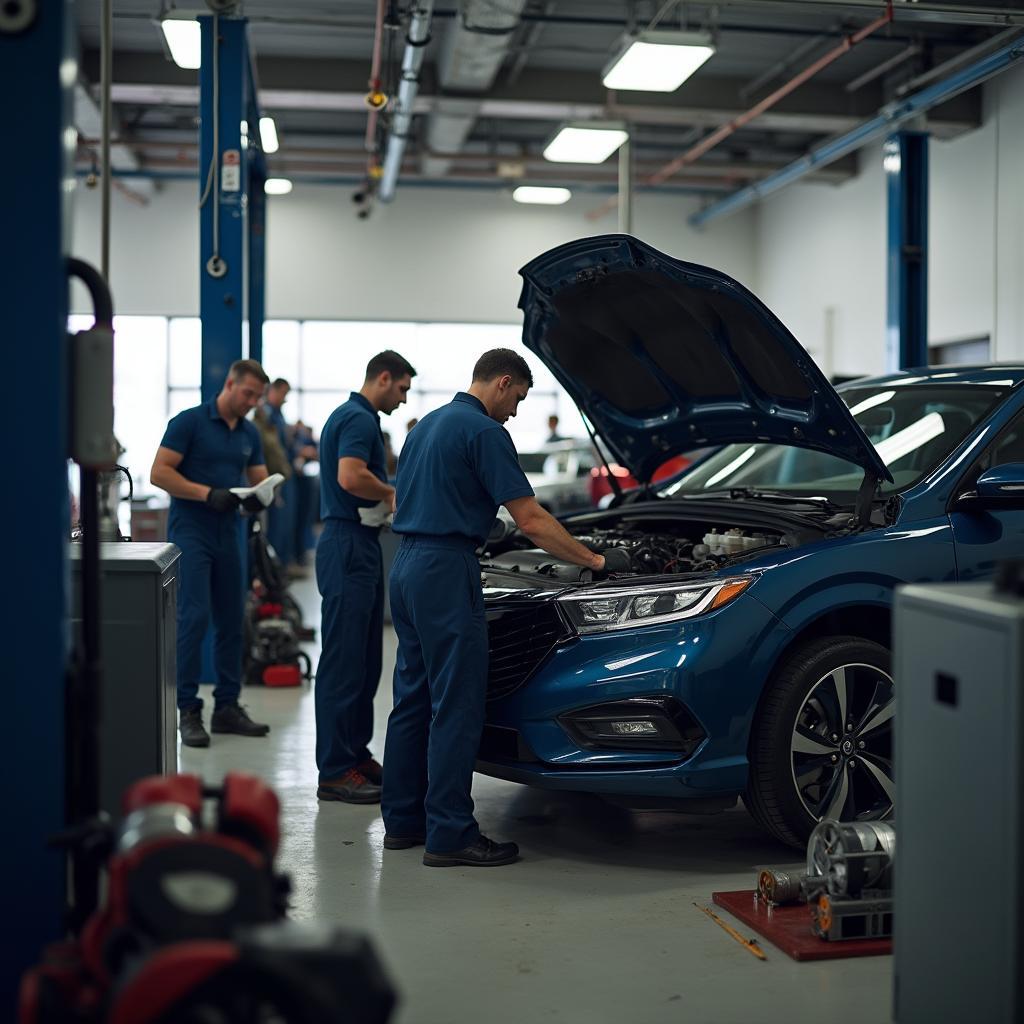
x: 533, y: 462
x: 913, y: 428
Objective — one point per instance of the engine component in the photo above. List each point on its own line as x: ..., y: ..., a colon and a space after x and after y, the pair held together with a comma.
x: 777, y: 886
x: 836, y: 920
x: 851, y: 858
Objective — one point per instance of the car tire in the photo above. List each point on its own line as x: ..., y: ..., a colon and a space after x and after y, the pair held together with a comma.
x: 826, y: 714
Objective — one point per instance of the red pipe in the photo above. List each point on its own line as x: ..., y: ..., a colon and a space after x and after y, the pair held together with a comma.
x: 696, y: 151
x: 374, y: 83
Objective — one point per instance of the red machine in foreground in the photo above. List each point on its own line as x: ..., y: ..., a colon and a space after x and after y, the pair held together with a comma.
x: 192, y: 929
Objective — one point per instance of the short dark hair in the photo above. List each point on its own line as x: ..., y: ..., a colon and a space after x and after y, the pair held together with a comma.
x: 280, y: 382
x: 247, y: 368
x: 391, y: 362
x: 499, y: 361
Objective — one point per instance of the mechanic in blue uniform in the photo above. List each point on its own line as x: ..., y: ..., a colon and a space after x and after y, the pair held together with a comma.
x: 281, y: 515
x: 205, y: 451
x: 457, y: 467
x: 350, y: 577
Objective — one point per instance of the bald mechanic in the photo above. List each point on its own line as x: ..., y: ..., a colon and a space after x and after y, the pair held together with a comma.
x: 457, y: 467
x: 206, y: 451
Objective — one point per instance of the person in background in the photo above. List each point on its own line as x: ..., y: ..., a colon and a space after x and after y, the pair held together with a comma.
x: 281, y: 525
x: 458, y: 466
x: 553, y: 434
x: 411, y: 423
x: 350, y: 577
x: 390, y: 458
x: 306, y: 490
x: 206, y: 451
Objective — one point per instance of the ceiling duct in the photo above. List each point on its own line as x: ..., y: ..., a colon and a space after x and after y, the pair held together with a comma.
x: 474, y: 48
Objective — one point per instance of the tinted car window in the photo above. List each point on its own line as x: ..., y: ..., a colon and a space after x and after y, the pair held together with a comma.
x: 913, y: 428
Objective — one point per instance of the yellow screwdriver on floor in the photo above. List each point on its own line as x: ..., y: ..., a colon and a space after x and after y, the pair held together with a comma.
x: 749, y: 944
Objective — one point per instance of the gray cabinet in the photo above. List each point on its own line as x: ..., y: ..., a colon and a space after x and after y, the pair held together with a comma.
x: 138, y: 731
x: 959, y: 893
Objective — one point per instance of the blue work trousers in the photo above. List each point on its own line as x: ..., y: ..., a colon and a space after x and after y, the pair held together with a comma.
x: 210, y: 587
x: 437, y: 608
x: 350, y: 577
x: 281, y: 522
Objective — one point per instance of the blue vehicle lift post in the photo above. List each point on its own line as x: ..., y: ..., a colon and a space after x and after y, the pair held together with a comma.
x: 906, y: 174
x: 232, y: 204
x: 38, y: 66
x: 232, y: 214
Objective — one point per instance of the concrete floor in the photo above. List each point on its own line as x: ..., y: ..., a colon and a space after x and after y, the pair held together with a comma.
x: 595, y: 924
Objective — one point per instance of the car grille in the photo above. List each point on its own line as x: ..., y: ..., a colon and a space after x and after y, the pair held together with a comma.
x: 520, y: 637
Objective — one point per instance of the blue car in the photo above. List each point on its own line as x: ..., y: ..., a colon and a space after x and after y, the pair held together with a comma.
x: 748, y: 651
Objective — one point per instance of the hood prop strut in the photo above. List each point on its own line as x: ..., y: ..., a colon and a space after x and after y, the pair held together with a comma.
x: 612, y: 482
x: 865, y: 498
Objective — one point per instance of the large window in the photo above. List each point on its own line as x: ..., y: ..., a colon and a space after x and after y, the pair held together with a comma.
x: 158, y: 360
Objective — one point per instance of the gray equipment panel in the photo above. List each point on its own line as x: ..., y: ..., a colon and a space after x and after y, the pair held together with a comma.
x: 138, y: 730
x: 959, y: 942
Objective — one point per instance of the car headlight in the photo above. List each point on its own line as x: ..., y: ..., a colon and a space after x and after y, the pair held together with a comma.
x: 625, y: 607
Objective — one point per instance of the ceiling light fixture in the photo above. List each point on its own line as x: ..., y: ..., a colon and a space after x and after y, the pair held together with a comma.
x: 277, y: 186
x: 543, y: 195
x: 183, y: 39
x: 657, y: 61
x: 268, y: 135
x: 585, y: 142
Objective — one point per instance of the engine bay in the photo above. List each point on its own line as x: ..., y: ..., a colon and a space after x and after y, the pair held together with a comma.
x: 654, y: 549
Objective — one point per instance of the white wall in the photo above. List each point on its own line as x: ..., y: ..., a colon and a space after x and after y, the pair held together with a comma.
x: 433, y: 254
x: 821, y: 250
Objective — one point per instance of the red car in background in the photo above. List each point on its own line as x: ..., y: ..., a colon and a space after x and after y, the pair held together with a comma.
x: 600, y: 487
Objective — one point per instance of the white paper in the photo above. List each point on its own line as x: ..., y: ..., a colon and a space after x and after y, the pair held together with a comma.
x: 264, y: 490
x: 376, y: 515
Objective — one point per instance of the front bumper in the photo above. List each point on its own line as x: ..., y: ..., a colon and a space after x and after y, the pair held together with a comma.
x: 714, y: 666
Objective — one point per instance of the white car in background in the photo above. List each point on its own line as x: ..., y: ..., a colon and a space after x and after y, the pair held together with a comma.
x: 559, y: 473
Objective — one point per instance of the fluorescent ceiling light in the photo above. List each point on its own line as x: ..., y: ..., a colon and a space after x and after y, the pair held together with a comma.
x: 183, y: 40
x: 543, y: 195
x: 268, y: 135
x: 657, y: 61
x: 277, y: 186
x: 585, y: 144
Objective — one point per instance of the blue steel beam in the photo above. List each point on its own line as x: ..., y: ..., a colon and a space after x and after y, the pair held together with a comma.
x: 222, y: 158
x: 906, y: 174
x: 889, y: 118
x: 38, y: 67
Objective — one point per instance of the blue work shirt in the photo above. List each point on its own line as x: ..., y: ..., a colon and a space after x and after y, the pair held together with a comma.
x: 352, y: 432
x: 456, y: 468
x: 214, y: 454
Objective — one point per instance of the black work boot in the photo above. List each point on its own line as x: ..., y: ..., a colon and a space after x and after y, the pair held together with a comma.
x: 484, y: 853
x: 351, y: 788
x: 234, y: 718
x: 191, y: 728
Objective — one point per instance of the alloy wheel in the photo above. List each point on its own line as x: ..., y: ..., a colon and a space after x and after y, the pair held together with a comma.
x: 841, y: 749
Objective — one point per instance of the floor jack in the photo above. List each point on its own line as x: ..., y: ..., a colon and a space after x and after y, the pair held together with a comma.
x: 191, y: 928
x: 273, y: 621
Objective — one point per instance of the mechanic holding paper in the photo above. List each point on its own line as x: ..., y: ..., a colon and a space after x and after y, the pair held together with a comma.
x: 203, y: 454
x: 457, y: 467
x: 349, y: 575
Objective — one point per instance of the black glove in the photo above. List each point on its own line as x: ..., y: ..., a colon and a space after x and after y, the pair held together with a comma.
x: 617, y: 560
x: 252, y: 504
x: 220, y: 499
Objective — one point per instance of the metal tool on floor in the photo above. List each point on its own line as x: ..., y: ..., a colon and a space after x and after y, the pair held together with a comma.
x: 750, y: 945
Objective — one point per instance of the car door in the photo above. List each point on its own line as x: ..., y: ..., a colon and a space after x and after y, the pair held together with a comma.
x: 984, y: 537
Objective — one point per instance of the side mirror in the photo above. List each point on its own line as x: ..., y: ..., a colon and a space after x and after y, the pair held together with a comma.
x: 1001, y: 487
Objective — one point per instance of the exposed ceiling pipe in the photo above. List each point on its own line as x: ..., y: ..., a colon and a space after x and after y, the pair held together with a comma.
x: 887, y: 120
x: 374, y: 82
x: 782, y: 66
x: 401, y: 119
x: 880, y: 69
x: 471, y: 54
x: 709, y: 142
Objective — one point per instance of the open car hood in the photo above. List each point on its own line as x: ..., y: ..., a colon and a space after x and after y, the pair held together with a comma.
x: 664, y: 357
